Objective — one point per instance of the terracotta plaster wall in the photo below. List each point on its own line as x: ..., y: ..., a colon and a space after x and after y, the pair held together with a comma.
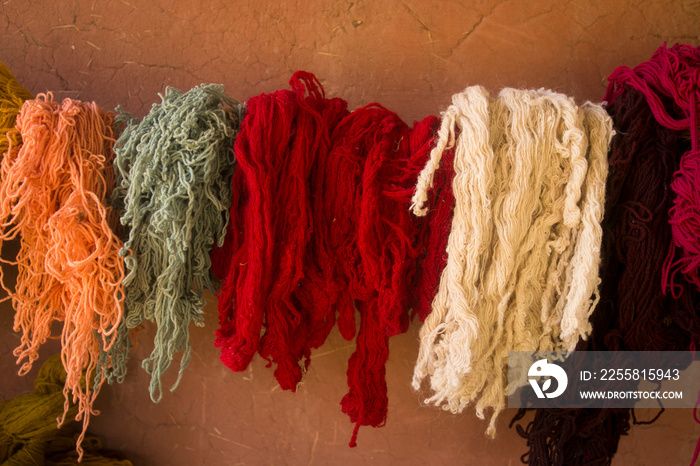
x: 409, y: 55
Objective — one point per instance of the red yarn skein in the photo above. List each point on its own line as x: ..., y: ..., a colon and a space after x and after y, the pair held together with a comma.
x: 262, y: 261
x: 320, y: 226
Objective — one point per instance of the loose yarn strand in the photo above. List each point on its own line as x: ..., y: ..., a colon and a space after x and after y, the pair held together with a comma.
x: 53, y: 191
x: 440, y: 207
x: 173, y: 171
x: 446, y: 141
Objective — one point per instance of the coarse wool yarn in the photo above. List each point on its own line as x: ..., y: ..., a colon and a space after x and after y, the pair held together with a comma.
x: 263, y: 257
x: 373, y: 244
x: 634, y: 313
x: 439, y: 210
x: 670, y: 83
x: 12, y: 95
x: 524, y: 248
x: 28, y: 432
x: 174, y: 173
x: 320, y: 228
x: 53, y: 192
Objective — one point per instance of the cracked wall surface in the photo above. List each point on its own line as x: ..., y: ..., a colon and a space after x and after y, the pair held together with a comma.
x: 408, y: 55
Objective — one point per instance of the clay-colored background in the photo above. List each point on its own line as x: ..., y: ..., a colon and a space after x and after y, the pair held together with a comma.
x: 409, y: 55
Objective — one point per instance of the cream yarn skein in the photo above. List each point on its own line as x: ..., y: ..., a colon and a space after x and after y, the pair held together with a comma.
x: 524, y: 247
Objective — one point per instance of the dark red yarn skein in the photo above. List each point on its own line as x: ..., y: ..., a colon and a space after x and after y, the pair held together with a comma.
x: 670, y: 82
x: 320, y: 226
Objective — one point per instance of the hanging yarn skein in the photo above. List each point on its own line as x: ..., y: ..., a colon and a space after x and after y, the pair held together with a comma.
x: 263, y: 258
x: 374, y: 243
x: 320, y: 227
x: 12, y: 95
x: 670, y: 83
x: 52, y: 194
x: 634, y: 313
x: 174, y: 173
x: 524, y: 249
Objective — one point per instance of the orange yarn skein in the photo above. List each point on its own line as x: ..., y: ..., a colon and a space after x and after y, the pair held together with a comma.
x: 53, y: 194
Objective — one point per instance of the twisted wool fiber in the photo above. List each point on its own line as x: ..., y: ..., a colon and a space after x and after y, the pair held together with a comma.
x: 375, y: 244
x: 523, y: 252
x: 441, y: 202
x: 262, y: 260
x: 634, y: 314
x: 12, y: 95
x: 320, y: 225
x: 174, y: 173
x: 52, y: 195
x: 28, y: 433
x: 670, y: 82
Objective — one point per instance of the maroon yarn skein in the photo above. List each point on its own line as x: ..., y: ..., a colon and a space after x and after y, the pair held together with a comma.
x: 670, y: 83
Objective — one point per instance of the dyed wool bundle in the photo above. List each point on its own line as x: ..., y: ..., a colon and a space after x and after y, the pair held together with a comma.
x: 262, y: 261
x: 320, y: 226
x: 634, y: 313
x: 372, y: 244
x: 12, y: 95
x: 28, y: 433
x: 174, y: 173
x: 523, y: 252
x: 670, y: 82
x: 52, y: 195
